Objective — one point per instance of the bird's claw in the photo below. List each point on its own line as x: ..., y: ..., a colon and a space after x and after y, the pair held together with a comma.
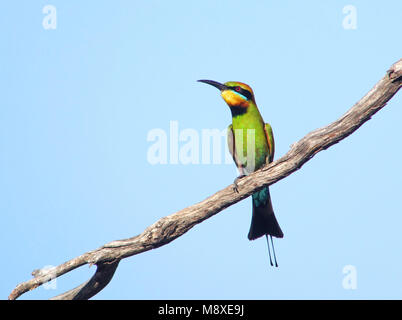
x: 235, y: 186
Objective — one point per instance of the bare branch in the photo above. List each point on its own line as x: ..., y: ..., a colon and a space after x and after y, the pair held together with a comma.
x: 104, y: 273
x: 170, y: 227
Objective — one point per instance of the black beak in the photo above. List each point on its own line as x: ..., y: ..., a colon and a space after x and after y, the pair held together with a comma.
x: 218, y: 85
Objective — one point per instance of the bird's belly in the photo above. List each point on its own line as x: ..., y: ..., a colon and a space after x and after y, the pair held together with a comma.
x: 251, y: 148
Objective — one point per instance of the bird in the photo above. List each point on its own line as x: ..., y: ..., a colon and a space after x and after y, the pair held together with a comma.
x: 251, y: 144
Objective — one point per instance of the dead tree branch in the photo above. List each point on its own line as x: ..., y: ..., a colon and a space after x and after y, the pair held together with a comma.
x: 170, y: 227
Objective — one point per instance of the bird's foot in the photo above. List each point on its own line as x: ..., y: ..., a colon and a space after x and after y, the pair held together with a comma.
x: 235, y: 186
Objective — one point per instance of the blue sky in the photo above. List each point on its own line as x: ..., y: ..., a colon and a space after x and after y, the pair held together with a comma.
x: 78, y: 102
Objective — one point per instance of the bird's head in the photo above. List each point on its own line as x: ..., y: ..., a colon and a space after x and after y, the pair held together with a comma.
x: 236, y: 94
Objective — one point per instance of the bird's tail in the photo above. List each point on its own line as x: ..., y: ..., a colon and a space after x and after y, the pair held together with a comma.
x: 263, y: 221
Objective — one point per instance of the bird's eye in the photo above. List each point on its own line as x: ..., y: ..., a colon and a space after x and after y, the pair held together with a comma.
x: 237, y: 89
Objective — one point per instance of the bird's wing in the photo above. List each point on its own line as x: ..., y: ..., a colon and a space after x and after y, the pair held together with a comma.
x: 271, y: 142
x: 232, y: 148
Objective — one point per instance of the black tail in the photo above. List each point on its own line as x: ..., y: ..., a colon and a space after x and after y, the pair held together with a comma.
x: 263, y: 220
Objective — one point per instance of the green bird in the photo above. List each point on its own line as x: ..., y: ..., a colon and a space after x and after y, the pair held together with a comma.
x: 251, y: 144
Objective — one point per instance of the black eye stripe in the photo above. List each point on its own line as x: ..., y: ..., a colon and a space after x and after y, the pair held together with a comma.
x: 242, y: 91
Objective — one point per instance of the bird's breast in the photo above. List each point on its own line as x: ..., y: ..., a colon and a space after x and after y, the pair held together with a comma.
x: 251, y: 144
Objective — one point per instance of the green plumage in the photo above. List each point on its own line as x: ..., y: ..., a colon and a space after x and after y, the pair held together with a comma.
x: 246, y: 126
x: 240, y: 137
x: 251, y: 143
